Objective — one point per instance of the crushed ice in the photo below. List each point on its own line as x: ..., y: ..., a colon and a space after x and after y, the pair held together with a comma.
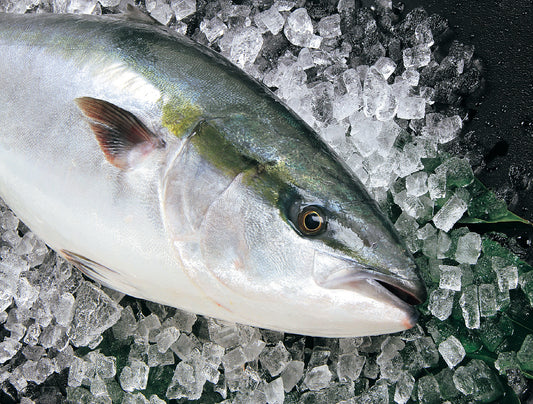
x: 367, y: 80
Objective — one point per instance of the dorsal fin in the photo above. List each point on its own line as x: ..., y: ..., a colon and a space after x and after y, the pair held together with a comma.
x: 133, y: 13
x: 123, y: 138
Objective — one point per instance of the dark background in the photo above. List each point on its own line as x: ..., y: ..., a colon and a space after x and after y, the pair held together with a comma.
x: 499, y: 135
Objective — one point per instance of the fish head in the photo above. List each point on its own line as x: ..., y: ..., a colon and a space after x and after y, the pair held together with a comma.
x: 292, y: 241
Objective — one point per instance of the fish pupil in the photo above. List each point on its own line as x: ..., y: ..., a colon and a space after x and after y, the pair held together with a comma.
x: 312, y: 221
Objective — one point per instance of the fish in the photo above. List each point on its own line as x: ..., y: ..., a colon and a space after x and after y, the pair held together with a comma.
x: 163, y: 171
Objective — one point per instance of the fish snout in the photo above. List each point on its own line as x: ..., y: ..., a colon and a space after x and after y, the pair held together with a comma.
x: 409, y: 288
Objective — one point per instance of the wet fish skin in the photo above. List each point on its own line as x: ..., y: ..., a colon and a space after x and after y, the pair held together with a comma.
x: 202, y: 212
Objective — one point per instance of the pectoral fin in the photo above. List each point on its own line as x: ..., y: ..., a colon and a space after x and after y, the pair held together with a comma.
x: 92, y: 269
x: 123, y: 138
x: 101, y: 273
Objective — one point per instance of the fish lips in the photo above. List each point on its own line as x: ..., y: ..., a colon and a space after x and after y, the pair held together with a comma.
x: 405, y: 291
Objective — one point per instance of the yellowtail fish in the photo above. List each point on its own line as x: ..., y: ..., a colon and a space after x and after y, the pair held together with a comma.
x: 165, y: 172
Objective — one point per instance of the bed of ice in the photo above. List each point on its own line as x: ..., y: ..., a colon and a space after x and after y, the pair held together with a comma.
x: 384, y: 88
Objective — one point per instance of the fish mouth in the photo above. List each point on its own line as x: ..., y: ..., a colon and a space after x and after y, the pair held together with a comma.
x: 409, y: 291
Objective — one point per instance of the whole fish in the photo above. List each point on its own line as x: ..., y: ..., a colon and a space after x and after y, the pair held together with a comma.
x: 163, y: 171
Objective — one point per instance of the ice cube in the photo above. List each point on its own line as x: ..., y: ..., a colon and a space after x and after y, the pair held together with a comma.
x: 452, y: 351
x: 330, y: 26
x: 166, y: 338
x: 125, y: 325
x: 416, y: 183
x: 417, y: 207
x: 17, y: 379
x: 428, y: 352
x: 322, y: 95
x: 352, y: 81
x: 385, y: 66
x: 183, y: 8
x: 428, y: 390
x: 526, y: 284
x: 274, y: 392
x: 305, y: 60
x: 525, y: 353
x: 234, y: 359
x: 470, y: 306
x: 94, y: 313
x: 487, y: 300
x: 26, y: 294
x: 450, y: 277
x: 186, y: 382
x: 274, y: 359
x: 411, y: 108
x: 468, y: 248
x: 162, y: 13
x: 184, y: 320
x: 450, y: 213
x: 387, y: 136
x: 8, y: 221
x: 135, y: 376
x: 318, y: 377
x: 32, y: 334
x: 8, y: 348
x: 404, y: 388
x: 292, y: 374
x: 349, y: 367
x: 213, y: 28
x: 299, y: 30
x: 409, y: 161
x: 253, y: 349
x: 183, y: 347
x: 346, y: 6
x: 224, y: 334
x: 389, y: 348
x: 81, y: 6
x: 505, y: 361
x: 411, y: 76
x: 437, y: 186
x: 423, y: 35
x: 378, y: 98
x: 63, y: 309
x: 441, y: 303
x: 442, y: 128
x: 364, y: 133
x: 507, y: 275
x: 154, y: 399
x: 76, y: 372
x: 477, y: 381
x: 378, y: 393
x: 245, y: 46
x: 271, y: 19
x: 98, y: 387
x: 417, y: 56
x: 146, y: 327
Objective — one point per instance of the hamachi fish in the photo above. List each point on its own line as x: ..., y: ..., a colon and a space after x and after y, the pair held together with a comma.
x: 163, y: 171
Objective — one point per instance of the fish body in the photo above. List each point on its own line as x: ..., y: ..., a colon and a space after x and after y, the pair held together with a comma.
x: 163, y: 171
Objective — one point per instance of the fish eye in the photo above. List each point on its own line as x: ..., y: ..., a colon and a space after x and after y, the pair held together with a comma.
x: 311, y: 221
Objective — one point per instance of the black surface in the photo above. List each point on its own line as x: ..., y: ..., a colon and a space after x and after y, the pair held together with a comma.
x: 499, y: 137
